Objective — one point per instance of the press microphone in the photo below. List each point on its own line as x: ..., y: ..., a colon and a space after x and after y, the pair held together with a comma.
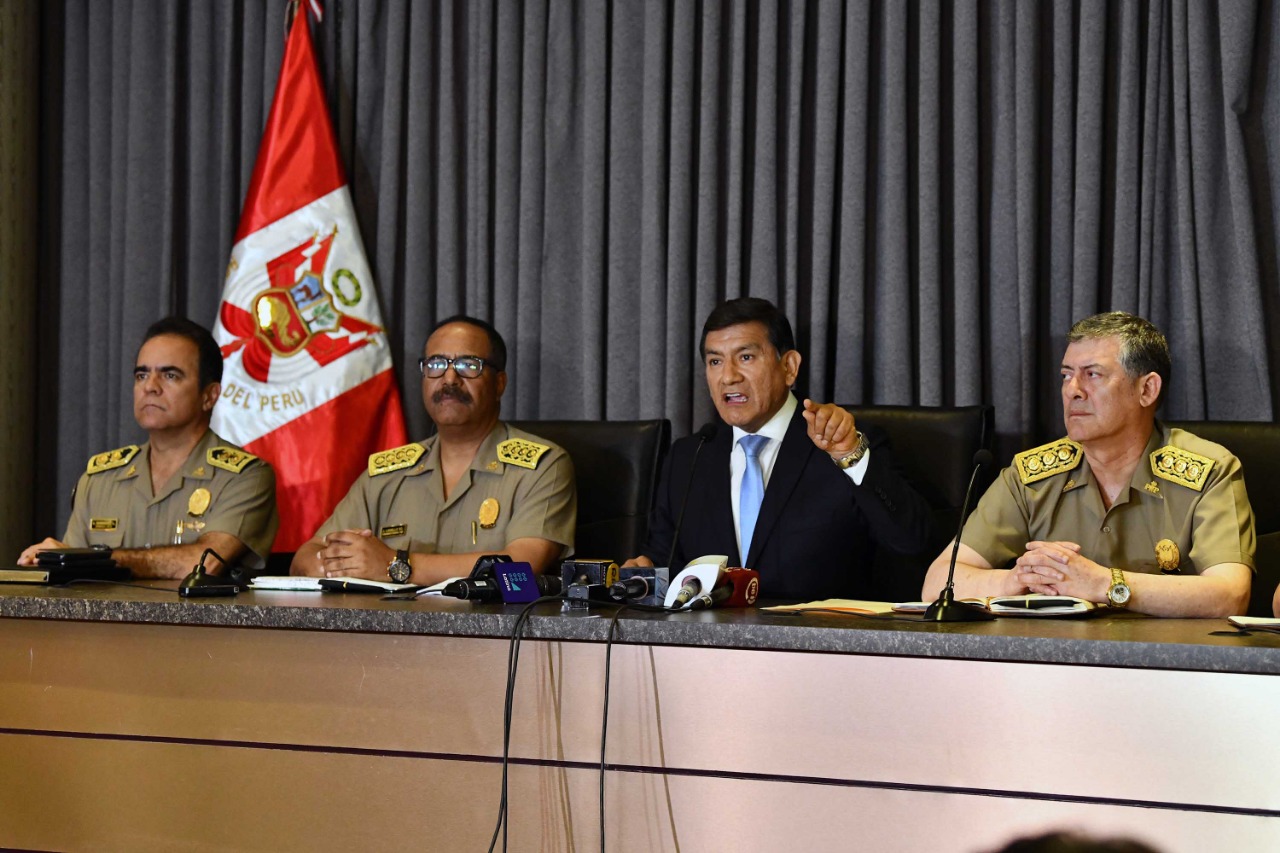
x: 474, y: 589
x: 737, y: 588
x: 711, y: 599
x: 704, y: 435
x: 946, y: 608
x: 630, y: 589
x: 691, y: 587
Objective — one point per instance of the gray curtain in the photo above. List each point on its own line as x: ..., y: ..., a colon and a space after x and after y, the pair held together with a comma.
x: 933, y: 191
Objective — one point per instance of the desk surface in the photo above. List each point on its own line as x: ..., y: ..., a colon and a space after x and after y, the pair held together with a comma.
x: 1101, y: 639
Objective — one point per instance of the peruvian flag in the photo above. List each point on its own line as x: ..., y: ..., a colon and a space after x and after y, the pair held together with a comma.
x: 307, y: 383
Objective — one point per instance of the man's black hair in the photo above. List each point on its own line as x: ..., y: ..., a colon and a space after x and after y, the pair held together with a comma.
x: 210, y: 354
x: 497, y: 347
x: 750, y: 309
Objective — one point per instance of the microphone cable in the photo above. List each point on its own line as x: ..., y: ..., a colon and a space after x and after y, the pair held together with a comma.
x: 513, y: 662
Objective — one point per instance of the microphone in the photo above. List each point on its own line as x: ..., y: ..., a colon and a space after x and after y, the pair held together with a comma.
x: 474, y: 589
x: 704, y: 435
x: 710, y: 599
x: 691, y: 587
x: 946, y: 608
x: 630, y: 589
x: 738, y: 588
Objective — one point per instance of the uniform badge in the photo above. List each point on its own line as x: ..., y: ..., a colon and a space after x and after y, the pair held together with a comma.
x: 1153, y: 487
x: 1167, y: 556
x: 104, y: 523
x: 199, y: 472
x: 492, y: 466
x: 518, y: 451
x: 1181, y: 466
x: 1046, y: 460
x: 386, y: 461
x: 489, y: 513
x: 199, y: 501
x: 228, y: 459
x: 111, y: 459
x: 389, y: 530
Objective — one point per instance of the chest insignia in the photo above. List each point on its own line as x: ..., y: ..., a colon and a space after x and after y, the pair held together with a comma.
x: 229, y: 459
x: 489, y: 513
x: 199, y: 501
x: 389, y: 530
x: 518, y: 451
x: 1167, y: 556
x: 395, y: 459
x: 1046, y: 460
x: 1181, y: 466
x: 111, y: 459
x: 104, y: 523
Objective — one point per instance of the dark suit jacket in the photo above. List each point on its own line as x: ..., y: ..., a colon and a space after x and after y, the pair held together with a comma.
x: 817, y: 531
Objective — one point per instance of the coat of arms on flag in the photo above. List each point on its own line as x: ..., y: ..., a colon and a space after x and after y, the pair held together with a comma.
x: 307, y: 383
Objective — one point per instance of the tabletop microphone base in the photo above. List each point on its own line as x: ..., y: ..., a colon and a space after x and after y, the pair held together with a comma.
x: 947, y: 609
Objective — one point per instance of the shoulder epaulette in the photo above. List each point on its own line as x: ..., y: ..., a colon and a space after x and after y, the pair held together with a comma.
x: 1181, y: 466
x: 386, y: 461
x: 111, y: 459
x: 1047, y: 460
x: 229, y: 458
x: 522, y: 452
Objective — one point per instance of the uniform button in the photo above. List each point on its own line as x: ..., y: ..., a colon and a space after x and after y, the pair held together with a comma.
x: 1106, y: 530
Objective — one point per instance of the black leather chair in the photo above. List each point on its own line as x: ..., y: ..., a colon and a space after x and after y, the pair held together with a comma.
x: 935, y: 447
x: 1257, y: 445
x: 616, y: 465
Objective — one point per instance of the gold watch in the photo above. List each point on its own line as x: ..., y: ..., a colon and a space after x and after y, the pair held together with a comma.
x: 1119, y: 593
x: 854, y: 456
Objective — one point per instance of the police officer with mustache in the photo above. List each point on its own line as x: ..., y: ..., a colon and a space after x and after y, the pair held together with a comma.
x: 425, y: 512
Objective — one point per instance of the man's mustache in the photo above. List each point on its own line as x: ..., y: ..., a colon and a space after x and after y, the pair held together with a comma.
x: 455, y: 392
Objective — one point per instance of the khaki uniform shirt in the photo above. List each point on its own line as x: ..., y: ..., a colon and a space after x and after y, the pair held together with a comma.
x: 114, y: 505
x: 407, y: 508
x: 1208, y: 526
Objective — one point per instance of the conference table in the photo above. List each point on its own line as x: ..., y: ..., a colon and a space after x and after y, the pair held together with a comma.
x: 133, y: 719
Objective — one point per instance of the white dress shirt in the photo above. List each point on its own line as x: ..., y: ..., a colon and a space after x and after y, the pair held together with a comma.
x: 775, y: 430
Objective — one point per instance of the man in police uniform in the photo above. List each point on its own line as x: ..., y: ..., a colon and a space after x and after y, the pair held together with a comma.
x: 1124, y: 511
x: 427, y: 511
x: 160, y: 505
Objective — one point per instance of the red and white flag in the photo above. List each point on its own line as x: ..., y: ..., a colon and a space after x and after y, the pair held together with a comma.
x: 307, y: 383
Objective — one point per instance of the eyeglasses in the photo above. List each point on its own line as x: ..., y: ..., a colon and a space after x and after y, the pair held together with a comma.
x: 466, y: 366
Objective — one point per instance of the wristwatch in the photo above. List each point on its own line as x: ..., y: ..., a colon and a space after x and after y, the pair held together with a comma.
x: 399, y: 568
x: 854, y: 456
x: 1118, y: 593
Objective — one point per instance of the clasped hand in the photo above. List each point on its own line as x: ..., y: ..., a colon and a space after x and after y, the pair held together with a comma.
x: 1058, y: 568
x: 354, y: 554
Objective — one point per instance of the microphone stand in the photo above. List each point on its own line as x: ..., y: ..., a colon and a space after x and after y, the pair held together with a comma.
x: 946, y: 608
x: 703, y: 434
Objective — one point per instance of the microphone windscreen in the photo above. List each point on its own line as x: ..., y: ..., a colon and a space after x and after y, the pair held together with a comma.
x: 707, y: 432
x: 982, y: 457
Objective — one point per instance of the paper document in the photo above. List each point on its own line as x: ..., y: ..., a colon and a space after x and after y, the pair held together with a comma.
x: 847, y: 605
x: 286, y: 582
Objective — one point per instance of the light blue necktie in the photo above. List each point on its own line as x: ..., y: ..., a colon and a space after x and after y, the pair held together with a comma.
x: 751, y: 493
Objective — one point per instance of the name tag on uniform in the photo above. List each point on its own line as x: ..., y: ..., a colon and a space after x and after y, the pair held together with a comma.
x: 393, y: 530
x: 104, y: 523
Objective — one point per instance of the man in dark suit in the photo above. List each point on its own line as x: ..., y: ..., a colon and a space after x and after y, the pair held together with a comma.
x: 798, y: 493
